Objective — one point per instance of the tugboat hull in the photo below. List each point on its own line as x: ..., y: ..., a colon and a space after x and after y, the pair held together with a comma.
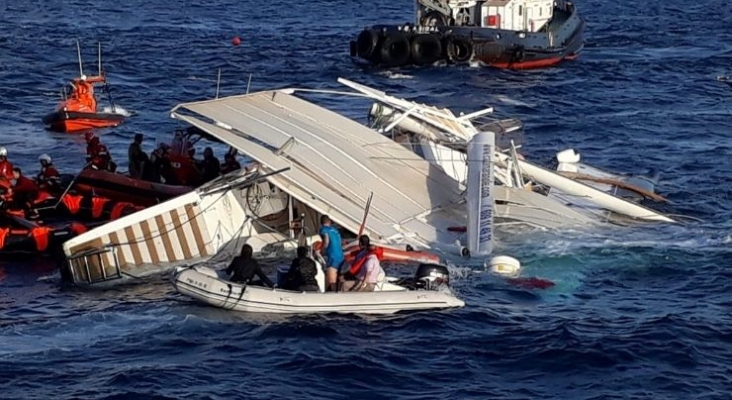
x: 401, y: 45
x: 75, y: 121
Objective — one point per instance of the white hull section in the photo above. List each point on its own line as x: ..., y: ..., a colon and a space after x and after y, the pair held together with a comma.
x: 209, y: 224
x: 202, y: 284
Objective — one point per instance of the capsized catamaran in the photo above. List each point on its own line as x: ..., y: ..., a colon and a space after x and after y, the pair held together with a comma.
x: 528, y: 193
x: 311, y: 162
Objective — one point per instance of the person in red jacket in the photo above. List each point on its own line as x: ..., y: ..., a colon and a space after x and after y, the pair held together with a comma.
x: 48, y: 177
x: 97, y: 155
x: 6, y: 168
x: 24, y: 191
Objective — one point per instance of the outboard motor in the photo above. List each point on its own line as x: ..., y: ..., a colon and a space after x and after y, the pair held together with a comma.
x: 432, y: 276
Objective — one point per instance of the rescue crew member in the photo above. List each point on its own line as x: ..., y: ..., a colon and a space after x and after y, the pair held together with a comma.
x: 244, y: 267
x: 97, y: 155
x: 332, y: 252
x: 6, y: 167
x: 365, y: 270
x: 210, y: 166
x: 48, y: 177
x: 136, y: 158
x: 24, y: 191
x: 302, y: 273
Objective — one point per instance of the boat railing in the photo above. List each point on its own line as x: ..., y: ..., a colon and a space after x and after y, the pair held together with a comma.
x: 91, y: 266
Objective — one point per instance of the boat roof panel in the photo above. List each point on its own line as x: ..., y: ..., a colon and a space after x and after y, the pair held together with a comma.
x: 335, y: 162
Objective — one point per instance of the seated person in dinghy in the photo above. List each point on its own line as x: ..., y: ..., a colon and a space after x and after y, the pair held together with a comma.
x: 365, y: 272
x: 244, y: 267
x: 301, y: 276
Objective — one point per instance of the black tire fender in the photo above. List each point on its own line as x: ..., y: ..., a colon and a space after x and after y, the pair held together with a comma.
x: 367, y: 43
x: 459, y: 49
x: 395, y: 49
x: 426, y: 49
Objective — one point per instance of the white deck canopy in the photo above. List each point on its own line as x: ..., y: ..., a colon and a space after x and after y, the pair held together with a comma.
x: 334, y: 162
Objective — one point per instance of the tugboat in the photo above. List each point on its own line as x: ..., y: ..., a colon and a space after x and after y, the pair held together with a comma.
x: 78, y: 111
x: 513, y: 34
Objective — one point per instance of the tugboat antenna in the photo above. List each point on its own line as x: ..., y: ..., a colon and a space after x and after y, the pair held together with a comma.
x: 78, y: 52
x: 99, y: 62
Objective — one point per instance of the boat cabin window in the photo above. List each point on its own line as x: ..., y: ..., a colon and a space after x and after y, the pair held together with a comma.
x: 521, y: 9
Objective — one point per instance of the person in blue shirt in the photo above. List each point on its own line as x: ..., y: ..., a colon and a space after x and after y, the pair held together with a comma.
x: 332, y: 252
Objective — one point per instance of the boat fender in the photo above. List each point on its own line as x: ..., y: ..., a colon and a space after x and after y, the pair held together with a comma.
x: 3, y: 234
x: 505, y: 265
x: 426, y: 49
x: 459, y: 49
x: 395, y: 49
x: 40, y: 236
x: 72, y: 202
x: 367, y: 43
x: 98, y: 206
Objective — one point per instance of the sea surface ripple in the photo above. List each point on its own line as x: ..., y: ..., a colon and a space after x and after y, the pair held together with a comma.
x: 641, y: 312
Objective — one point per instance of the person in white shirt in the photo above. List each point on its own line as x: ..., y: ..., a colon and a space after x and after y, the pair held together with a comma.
x: 366, y: 268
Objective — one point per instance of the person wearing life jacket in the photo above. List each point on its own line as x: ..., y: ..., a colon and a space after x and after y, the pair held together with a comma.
x: 48, y: 177
x: 6, y: 167
x: 365, y: 271
x: 97, y: 155
x: 23, y: 192
x: 84, y: 91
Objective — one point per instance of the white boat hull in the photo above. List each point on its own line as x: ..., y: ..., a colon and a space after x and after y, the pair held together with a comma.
x: 200, y: 283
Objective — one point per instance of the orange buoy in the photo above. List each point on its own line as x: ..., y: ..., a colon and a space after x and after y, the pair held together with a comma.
x: 236, y: 41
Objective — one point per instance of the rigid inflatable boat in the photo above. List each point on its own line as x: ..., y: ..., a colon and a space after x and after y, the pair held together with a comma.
x: 428, y: 290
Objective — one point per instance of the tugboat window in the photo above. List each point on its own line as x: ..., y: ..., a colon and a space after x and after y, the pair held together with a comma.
x: 521, y: 8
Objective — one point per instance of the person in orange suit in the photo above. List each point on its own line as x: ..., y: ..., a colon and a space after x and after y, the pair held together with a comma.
x: 6, y: 167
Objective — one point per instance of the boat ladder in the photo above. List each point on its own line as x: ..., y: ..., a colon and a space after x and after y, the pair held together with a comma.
x: 92, y: 266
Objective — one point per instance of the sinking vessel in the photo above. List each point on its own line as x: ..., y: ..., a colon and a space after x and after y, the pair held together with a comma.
x: 310, y: 161
x: 428, y: 290
x: 527, y: 193
x: 79, y: 110
x: 515, y: 34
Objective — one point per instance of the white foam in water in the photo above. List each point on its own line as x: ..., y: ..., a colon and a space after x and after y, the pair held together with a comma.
x: 117, y: 110
x: 507, y: 100
x: 396, y: 75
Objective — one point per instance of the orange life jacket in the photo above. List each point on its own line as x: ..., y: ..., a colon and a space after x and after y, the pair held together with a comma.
x: 40, y: 235
x: 359, y: 261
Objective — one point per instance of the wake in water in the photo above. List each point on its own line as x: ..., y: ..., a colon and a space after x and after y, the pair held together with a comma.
x: 119, y: 110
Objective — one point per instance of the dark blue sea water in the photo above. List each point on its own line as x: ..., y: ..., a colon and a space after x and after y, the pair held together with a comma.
x: 636, y: 313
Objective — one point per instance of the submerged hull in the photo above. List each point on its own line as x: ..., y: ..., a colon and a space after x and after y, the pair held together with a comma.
x: 75, y: 121
x: 231, y: 296
x: 396, y: 45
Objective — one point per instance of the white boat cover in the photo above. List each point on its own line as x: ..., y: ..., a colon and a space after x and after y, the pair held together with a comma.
x: 334, y: 162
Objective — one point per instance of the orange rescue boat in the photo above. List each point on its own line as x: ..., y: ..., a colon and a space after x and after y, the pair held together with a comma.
x: 79, y: 110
